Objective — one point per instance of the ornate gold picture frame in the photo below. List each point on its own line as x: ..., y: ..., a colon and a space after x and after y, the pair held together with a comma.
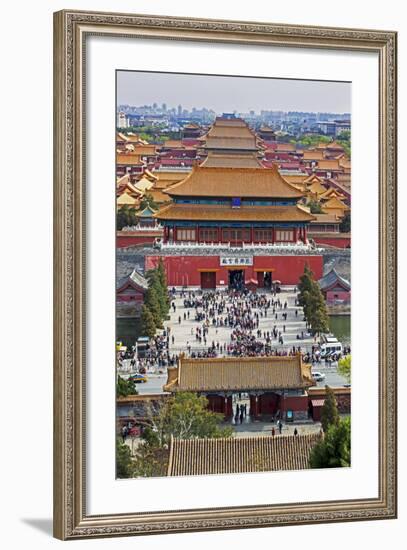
x: 71, y: 520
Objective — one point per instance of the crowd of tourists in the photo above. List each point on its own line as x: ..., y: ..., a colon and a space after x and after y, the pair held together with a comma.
x: 240, y: 311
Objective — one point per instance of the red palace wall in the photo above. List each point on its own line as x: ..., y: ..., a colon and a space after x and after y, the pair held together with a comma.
x: 123, y: 240
x: 338, y: 242
x: 186, y: 270
x: 333, y: 295
x: 295, y: 403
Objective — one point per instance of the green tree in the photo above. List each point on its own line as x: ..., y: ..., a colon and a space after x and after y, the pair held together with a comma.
x: 345, y: 225
x: 148, y: 200
x: 157, y: 280
x: 184, y: 416
x: 305, y: 284
x: 334, y: 450
x: 189, y: 417
x: 329, y: 413
x: 124, y: 465
x: 163, y: 288
x: 316, y: 311
x: 148, y: 327
x: 150, y: 461
x: 126, y: 216
x: 125, y: 387
x: 344, y: 367
x: 315, y: 207
x: 152, y: 303
x: 313, y: 302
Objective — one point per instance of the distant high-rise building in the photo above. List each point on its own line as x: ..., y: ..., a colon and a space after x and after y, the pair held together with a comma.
x: 179, y: 110
x: 122, y: 121
x: 164, y: 107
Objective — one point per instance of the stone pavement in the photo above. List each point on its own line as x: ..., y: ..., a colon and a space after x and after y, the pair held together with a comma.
x: 184, y: 332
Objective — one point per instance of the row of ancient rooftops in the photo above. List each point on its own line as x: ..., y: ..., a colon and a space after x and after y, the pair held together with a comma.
x: 231, y: 170
x: 233, y: 136
x: 188, y: 457
x: 239, y: 374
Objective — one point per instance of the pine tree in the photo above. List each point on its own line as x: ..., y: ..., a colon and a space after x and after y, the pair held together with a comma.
x: 148, y: 327
x: 152, y: 303
x: 317, y: 314
x: 123, y: 460
x: 313, y: 302
x: 156, y: 279
x: 162, y: 278
x: 305, y: 284
x: 334, y: 450
x: 329, y: 413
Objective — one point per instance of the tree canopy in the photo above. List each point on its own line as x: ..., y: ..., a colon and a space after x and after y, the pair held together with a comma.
x: 334, y: 450
x: 126, y: 216
x: 148, y: 327
x: 184, y: 416
x: 345, y: 225
x: 344, y: 367
x: 329, y: 413
x: 313, y: 302
x: 125, y: 387
x: 156, y: 301
x: 148, y: 200
x: 124, y: 463
x: 315, y: 207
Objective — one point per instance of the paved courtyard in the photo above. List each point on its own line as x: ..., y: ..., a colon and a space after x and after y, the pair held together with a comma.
x: 184, y: 332
x: 185, y: 341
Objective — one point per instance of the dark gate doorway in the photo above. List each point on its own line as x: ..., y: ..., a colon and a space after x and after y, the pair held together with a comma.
x: 264, y: 279
x: 269, y: 404
x: 268, y: 279
x: 236, y: 279
x: 208, y: 279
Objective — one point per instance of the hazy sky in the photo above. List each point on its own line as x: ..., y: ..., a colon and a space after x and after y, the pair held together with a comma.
x: 229, y: 93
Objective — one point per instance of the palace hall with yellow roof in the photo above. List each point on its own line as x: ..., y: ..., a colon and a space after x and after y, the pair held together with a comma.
x: 232, y: 220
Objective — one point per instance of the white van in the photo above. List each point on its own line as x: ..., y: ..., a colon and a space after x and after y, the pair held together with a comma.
x: 330, y: 346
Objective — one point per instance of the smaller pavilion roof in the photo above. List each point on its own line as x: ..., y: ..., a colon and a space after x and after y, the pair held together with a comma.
x: 335, y: 203
x: 313, y: 154
x: 239, y: 373
x: 332, y: 164
x: 331, y: 279
x: 143, y: 184
x: 335, y: 145
x: 124, y: 199
x: 135, y: 280
x: 129, y: 159
x: 147, y: 212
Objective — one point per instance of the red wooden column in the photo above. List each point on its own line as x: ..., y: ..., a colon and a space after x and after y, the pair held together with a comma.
x: 282, y: 405
x: 305, y: 235
x: 295, y: 234
x: 256, y: 406
x: 273, y: 240
x: 225, y: 406
x: 197, y: 234
x: 251, y: 234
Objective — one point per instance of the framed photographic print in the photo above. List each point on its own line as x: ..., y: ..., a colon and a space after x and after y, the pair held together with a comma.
x: 225, y: 250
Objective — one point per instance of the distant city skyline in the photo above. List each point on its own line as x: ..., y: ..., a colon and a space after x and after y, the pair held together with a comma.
x: 231, y: 93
